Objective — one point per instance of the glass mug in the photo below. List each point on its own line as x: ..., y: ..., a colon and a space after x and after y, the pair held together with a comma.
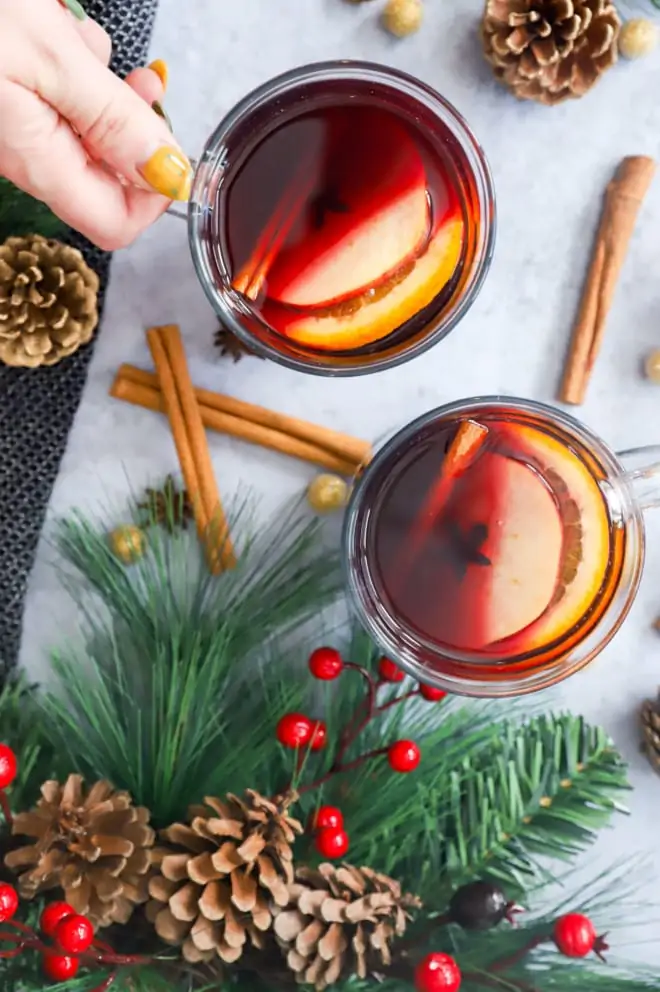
x: 342, y: 218
x: 494, y: 546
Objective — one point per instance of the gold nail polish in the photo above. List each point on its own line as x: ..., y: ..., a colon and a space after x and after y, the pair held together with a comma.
x: 169, y: 172
x: 159, y: 66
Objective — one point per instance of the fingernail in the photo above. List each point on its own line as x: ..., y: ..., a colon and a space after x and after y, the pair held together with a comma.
x: 160, y: 68
x: 76, y: 8
x: 158, y: 108
x: 169, y: 172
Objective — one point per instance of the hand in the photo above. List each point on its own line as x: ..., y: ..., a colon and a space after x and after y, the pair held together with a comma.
x: 76, y: 136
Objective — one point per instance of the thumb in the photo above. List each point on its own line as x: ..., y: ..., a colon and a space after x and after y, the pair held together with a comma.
x: 115, y: 125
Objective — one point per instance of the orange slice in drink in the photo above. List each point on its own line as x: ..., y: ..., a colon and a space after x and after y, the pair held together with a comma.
x: 586, y: 538
x: 372, y: 316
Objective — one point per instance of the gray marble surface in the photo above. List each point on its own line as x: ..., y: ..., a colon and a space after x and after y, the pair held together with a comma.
x: 550, y: 168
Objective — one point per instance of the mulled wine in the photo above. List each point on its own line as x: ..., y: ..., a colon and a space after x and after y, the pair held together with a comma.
x: 345, y: 218
x: 487, y: 545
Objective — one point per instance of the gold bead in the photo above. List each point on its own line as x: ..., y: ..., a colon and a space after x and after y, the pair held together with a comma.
x: 638, y: 38
x: 128, y: 543
x: 652, y: 366
x: 327, y: 492
x: 403, y: 17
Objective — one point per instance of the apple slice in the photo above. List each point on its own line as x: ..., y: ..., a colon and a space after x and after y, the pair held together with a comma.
x: 372, y: 321
x: 586, y: 537
x: 514, y: 574
x: 370, y: 218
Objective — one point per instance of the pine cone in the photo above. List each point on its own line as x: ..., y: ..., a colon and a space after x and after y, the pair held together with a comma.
x: 341, y: 921
x: 218, y: 879
x: 650, y: 719
x: 94, y: 847
x: 550, y: 50
x: 48, y: 301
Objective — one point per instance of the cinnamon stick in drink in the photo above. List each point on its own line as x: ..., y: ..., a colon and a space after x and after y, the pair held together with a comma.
x: 623, y: 199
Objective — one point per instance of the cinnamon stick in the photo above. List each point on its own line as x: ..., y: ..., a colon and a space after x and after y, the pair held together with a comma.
x: 623, y: 199
x: 343, y: 446
x: 151, y: 398
x: 183, y: 411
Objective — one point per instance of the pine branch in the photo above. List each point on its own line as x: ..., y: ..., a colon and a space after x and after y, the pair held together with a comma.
x: 152, y: 699
x: 20, y: 214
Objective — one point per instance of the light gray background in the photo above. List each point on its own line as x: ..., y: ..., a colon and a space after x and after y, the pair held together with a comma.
x: 550, y: 167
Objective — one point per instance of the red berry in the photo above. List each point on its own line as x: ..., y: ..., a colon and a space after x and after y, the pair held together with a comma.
x: 326, y: 663
x: 389, y: 672
x: 8, y: 766
x: 437, y: 973
x: 332, y: 842
x: 53, y: 914
x: 575, y: 935
x: 8, y: 902
x: 430, y: 694
x: 404, y: 756
x: 74, y: 934
x: 319, y: 736
x: 328, y: 816
x: 59, y: 967
x: 294, y: 730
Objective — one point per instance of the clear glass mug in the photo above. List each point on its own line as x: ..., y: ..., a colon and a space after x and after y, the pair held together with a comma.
x: 301, y: 91
x: 600, y: 498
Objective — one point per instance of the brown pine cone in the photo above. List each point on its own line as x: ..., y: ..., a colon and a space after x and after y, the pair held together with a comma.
x: 169, y: 506
x: 340, y: 921
x: 48, y: 301
x: 550, y: 50
x: 649, y: 715
x: 218, y: 876
x: 94, y: 846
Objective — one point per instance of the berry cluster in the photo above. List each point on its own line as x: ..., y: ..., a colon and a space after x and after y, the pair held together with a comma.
x: 299, y: 731
x: 331, y: 840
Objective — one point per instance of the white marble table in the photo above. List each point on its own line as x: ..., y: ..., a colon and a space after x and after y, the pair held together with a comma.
x: 550, y: 167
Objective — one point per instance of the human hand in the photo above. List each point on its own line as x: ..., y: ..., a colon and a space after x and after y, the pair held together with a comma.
x: 76, y: 136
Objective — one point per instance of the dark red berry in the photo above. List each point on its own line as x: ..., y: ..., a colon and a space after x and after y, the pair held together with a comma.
x: 437, y: 973
x: 430, y: 694
x: 404, y: 756
x: 327, y: 816
x: 326, y: 663
x: 59, y: 967
x: 319, y: 736
x: 480, y: 905
x: 8, y: 902
x: 294, y: 730
x: 53, y: 914
x: 575, y: 935
x: 332, y: 842
x: 8, y: 766
x: 389, y: 672
x: 74, y: 934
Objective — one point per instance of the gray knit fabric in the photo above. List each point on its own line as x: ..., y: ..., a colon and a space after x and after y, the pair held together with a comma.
x: 37, y: 406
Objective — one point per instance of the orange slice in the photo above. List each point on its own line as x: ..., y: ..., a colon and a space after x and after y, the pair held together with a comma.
x: 375, y: 320
x: 586, y: 543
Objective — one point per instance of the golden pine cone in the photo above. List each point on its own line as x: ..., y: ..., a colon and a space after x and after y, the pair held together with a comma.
x: 340, y: 921
x: 550, y: 50
x: 48, y: 301
x: 219, y: 876
x: 649, y: 715
x: 94, y: 845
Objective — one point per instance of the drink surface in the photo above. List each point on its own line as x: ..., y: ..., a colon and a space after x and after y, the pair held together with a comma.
x: 493, y: 538
x: 344, y: 224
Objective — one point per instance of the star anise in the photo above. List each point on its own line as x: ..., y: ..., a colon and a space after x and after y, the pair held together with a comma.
x: 169, y: 506
x: 461, y: 549
x: 232, y: 346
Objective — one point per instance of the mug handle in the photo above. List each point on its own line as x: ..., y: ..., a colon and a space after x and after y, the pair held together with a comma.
x: 642, y: 474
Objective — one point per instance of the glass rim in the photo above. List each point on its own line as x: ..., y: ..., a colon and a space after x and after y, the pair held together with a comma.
x: 211, y: 160
x: 382, y: 623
